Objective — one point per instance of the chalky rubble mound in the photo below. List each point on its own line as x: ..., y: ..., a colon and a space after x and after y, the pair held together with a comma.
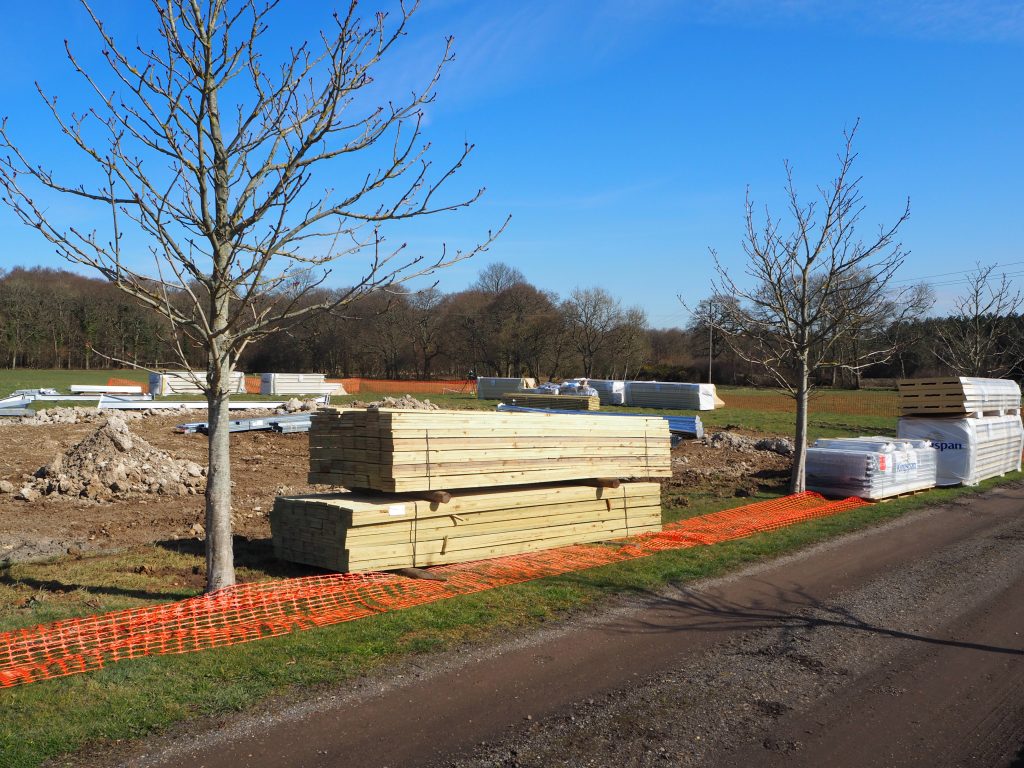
x: 112, y: 462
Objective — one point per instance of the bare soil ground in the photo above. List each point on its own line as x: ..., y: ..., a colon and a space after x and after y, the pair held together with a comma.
x: 264, y: 465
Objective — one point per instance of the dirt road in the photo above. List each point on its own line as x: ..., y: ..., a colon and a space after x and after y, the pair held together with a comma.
x: 902, y: 645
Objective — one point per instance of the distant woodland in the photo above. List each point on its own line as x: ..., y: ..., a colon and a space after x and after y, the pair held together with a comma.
x: 501, y: 325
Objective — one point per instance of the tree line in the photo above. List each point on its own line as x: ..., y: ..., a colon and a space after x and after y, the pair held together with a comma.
x: 501, y: 325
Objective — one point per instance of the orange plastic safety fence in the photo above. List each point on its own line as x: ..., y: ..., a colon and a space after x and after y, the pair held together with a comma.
x: 407, y: 386
x: 248, y: 612
x: 113, y: 382
x: 252, y: 385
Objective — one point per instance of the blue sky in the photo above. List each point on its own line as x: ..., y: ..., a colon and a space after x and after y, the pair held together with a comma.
x: 621, y: 136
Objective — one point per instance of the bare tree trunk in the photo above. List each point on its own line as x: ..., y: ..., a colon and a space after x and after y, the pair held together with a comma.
x: 798, y: 480
x: 220, y: 566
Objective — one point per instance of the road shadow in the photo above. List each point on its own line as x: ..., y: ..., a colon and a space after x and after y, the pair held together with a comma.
x: 790, y: 609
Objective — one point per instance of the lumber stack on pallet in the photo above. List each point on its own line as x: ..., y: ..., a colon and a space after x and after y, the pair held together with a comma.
x: 958, y: 395
x: 368, y: 532
x: 399, y: 451
x: 492, y: 387
x: 672, y: 394
x: 553, y: 402
x: 969, y: 449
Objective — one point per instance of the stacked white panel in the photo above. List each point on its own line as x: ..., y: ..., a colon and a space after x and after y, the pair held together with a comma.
x: 188, y: 383
x: 493, y: 387
x: 870, y: 467
x: 610, y: 391
x: 970, y: 449
x: 298, y: 384
x: 670, y: 394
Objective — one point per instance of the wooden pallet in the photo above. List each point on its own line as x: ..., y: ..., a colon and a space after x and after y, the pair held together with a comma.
x: 553, y: 402
x: 400, y: 451
x: 360, y: 531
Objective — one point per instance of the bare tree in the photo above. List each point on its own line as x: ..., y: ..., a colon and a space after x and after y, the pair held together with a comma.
x: 809, y: 285
x: 592, y: 316
x: 212, y: 155
x: 980, y: 338
x: 497, y: 277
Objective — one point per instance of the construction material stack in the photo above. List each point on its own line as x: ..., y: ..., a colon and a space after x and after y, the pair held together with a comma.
x: 188, y: 383
x: 870, y: 467
x: 362, y: 531
x: 610, y: 391
x: 493, y: 387
x: 672, y: 394
x: 553, y: 402
x: 298, y: 384
x: 432, y: 487
x: 974, y: 424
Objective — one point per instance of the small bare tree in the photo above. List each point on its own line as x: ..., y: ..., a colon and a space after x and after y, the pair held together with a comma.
x: 810, y: 286
x: 211, y: 155
x: 980, y: 336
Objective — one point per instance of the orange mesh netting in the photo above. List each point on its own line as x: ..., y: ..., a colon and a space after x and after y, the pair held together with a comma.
x: 114, y: 382
x: 248, y: 612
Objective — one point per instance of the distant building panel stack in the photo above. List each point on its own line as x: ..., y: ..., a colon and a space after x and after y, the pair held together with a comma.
x: 298, y: 384
x: 870, y: 467
x: 493, y: 388
x: 611, y: 391
x: 188, y: 383
x: 671, y: 394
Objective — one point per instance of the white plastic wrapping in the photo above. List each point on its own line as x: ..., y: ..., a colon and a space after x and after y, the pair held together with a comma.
x: 969, y: 449
x: 671, y: 394
x: 870, y: 467
x: 611, y: 391
x: 186, y: 382
x: 298, y: 384
x: 493, y: 387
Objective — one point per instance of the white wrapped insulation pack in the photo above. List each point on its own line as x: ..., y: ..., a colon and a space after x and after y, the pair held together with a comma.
x: 870, y: 467
x: 492, y: 387
x: 671, y: 394
x: 610, y: 391
x: 969, y: 449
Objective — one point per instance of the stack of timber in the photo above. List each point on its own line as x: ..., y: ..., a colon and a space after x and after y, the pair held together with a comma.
x: 969, y: 449
x: 370, y: 532
x: 188, y: 383
x: 672, y: 394
x: 493, y: 388
x: 553, y: 402
x: 870, y: 467
x: 399, y: 451
x: 958, y: 395
x: 298, y: 384
x: 685, y: 426
x: 611, y: 391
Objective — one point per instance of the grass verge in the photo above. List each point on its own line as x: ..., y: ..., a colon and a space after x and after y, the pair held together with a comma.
x: 132, y: 699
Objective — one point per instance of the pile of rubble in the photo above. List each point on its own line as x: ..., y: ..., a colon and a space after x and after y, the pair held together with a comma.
x: 743, y: 444
x: 404, y: 403
x: 112, y: 462
x: 75, y: 415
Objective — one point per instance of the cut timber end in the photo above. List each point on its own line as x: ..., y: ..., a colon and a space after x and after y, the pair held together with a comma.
x: 420, y: 573
x: 435, y: 497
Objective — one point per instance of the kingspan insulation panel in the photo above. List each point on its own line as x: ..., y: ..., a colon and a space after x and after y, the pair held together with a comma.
x: 870, y: 467
x: 969, y: 449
